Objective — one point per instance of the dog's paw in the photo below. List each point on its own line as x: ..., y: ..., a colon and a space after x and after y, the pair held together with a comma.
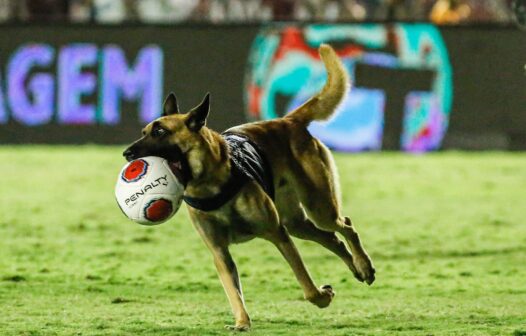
x: 324, y: 296
x: 238, y: 327
x: 364, y: 269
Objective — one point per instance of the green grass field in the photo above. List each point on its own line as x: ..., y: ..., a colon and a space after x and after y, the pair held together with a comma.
x: 446, y: 232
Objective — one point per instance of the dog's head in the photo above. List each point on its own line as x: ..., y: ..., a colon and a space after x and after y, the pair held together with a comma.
x: 172, y: 135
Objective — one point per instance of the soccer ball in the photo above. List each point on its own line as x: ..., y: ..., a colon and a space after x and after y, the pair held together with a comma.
x: 147, y: 190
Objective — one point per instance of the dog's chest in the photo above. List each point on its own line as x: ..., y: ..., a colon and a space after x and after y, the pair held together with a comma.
x: 233, y: 225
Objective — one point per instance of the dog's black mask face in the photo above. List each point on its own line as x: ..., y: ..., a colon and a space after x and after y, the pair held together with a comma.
x: 172, y: 135
x: 145, y: 147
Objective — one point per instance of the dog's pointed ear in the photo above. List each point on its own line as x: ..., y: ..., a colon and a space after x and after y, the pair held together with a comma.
x: 170, y: 105
x: 197, y: 116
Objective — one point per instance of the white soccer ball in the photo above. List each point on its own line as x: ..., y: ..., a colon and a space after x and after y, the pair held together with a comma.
x: 147, y: 190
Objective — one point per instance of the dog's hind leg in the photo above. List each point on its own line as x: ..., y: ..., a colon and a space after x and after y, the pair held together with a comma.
x: 362, y: 266
x: 258, y: 212
x: 293, y: 217
x: 320, y: 297
x: 305, y: 229
x: 316, y: 183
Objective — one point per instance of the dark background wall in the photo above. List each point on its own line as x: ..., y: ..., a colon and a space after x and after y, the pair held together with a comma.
x: 489, y: 106
x: 197, y: 60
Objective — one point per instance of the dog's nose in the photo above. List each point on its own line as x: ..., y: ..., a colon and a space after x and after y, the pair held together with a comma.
x: 128, y: 154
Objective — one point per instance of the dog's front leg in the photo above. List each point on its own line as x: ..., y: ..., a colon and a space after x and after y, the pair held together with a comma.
x: 226, y: 268
x: 216, y: 239
x: 322, y: 296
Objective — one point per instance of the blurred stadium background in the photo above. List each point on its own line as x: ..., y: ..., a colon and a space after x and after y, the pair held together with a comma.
x: 429, y: 144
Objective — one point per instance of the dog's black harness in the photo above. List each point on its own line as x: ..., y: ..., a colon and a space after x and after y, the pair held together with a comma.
x: 247, y: 163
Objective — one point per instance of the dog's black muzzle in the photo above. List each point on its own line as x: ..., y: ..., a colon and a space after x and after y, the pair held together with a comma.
x: 133, y: 152
x: 140, y: 149
x: 129, y: 155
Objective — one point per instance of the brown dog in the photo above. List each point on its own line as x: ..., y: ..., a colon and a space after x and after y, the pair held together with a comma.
x: 306, y: 202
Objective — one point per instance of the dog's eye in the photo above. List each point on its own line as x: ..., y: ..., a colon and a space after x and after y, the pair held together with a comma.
x: 158, y: 132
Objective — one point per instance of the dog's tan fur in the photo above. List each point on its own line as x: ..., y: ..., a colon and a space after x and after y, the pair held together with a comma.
x: 307, y: 201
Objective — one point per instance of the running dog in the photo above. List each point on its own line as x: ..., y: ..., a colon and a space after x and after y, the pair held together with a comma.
x: 267, y: 179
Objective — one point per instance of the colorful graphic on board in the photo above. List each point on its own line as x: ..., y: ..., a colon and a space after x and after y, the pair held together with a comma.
x: 400, y: 69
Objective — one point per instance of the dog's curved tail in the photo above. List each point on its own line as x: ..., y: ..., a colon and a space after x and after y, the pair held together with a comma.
x: 324, y: 103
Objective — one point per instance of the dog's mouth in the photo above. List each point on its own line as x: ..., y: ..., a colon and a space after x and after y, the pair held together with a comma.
x: 174, y: 155
x: 181, y: 171
x: 129, y: 157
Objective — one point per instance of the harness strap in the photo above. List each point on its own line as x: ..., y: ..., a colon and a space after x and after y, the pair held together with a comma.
x: 234, y: 184
x: 247, y: 162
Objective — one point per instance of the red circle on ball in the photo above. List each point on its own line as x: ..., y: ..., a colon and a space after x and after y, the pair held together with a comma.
x: 135, y: 170
x: 158, y: 210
